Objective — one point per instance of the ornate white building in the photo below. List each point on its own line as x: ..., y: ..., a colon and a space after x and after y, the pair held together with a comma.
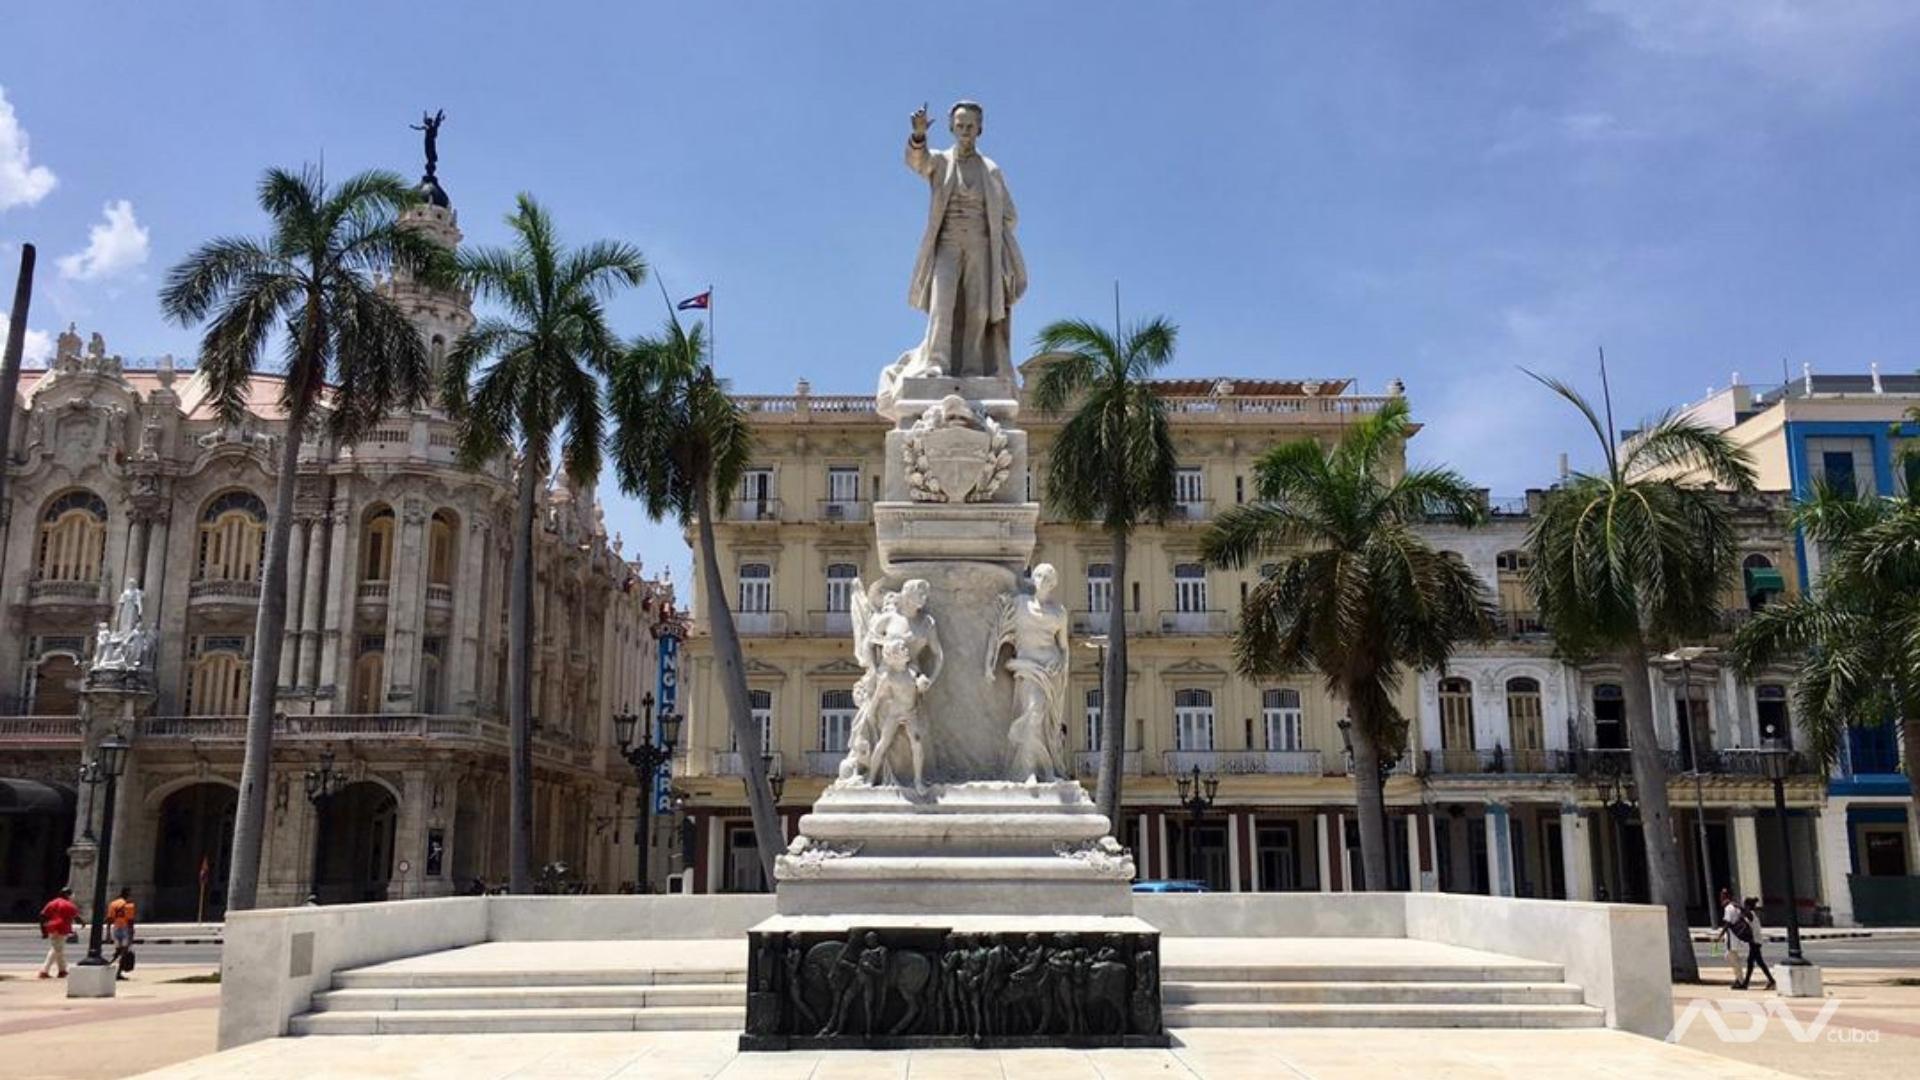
x: 394, y: 659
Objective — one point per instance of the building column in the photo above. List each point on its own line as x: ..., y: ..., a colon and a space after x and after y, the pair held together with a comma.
x: 343, y: 585
x: 1499, y: 850
x: 136, y: 561
x: 406, y: 603
x: 1576, y: 853
x: 1320, y: 834
x: 1252, y: 850
x: 410, y: 837
x: 1233, y: 852
x: 468, y: 595
x: 1836, y: 860
x: 311, y: 601
x: 1337, y: 843
x: 1413, y: 851
x: 1143, y: 858
x: 1165, y: 852
x: 1746, y: 856
x: 296, y: 579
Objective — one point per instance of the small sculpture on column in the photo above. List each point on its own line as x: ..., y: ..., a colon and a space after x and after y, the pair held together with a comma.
x: 1036, y: 626
x: 120, y: 650
x: 888, y: 645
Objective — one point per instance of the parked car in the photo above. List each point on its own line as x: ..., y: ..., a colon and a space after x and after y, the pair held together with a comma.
x: 1170, y: 886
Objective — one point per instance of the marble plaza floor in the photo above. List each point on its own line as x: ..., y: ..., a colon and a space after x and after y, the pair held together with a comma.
x: 1266, y: 1054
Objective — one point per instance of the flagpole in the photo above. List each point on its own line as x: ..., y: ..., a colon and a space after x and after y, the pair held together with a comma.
x: 713, y: 351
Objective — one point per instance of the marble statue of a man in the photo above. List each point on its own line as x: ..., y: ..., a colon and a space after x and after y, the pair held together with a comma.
x: 969, y: 272
x: 1035, y: 624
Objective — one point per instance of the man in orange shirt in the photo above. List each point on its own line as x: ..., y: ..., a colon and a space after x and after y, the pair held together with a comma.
x: 57, y: 920
x: 120, y: 916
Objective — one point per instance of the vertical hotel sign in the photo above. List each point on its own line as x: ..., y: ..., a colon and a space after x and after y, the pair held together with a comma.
x: 666, y: 695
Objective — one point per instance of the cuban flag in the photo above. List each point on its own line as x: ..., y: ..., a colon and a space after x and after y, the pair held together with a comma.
x: 696, y: 303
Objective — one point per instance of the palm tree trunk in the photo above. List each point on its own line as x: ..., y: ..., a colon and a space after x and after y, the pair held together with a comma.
x: 270, y: 624
x: 1664, y: 874
x: 1370, y: 805
x: 520, y: 680
x: 1909, y: 727
x: 1113, y: 697
x: 767, y: 834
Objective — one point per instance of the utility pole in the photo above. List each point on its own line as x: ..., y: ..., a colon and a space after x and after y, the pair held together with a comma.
x: 10, y: 369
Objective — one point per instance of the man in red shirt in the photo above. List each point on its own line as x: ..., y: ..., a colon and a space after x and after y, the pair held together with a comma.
x: 57, y: 920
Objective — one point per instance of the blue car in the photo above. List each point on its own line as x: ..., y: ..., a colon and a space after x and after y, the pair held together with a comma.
x: 1169, y: 886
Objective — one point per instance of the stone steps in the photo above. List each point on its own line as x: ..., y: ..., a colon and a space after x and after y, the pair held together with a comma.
x: 1520, y: 971
x: 462, y: 1021
x: 1384, y: 1016
x: 530, y: 997
x: 376, y: 979
x: 1370, y: 993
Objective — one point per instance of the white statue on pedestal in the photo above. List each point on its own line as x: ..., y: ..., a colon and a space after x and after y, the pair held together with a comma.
x: 889, y: 644
x: 123, y: 647
x: 1036, y: 626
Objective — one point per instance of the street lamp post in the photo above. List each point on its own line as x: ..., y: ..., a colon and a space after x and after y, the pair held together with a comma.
x: 323, y: 783
x: 646, y: 757
x: 1197, y: 794
x: 1685, y: 658
x: 1779, y: 762
x: 1615, y: 804
x: 110, y: 757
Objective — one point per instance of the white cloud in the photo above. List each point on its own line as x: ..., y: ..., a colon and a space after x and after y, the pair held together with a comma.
x: 1827, y: 46
x: 39, y: 345
x: 114, y: 246
x: 22, y: 183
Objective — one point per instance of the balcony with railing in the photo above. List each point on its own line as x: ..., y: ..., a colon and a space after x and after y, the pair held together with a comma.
x: 843, y: 511
x: 733, y: 763
x: 64, y: 592
x: 39, y: 732
x: 760, y: 623
x: 440, y: 596
x: 830, y: 623
x: 1733, y: 762
x: 1193, y: 622
x: 1191, y: 408
x: 1191, y: 510
x: 819, y: 763
x: 209, y: 592
x: 1518, y: 623
x: 1499, y: 761
x: 1087, y: 623
x: 1243, y: 762
x: 1086, y: 763
x: 374, y: 592
x: 762, y: 511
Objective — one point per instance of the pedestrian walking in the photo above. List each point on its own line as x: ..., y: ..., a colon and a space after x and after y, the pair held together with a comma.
x: 1743, y: 923
x: 57, y: 920
x: 121, y: 914
x: 1724, y: 938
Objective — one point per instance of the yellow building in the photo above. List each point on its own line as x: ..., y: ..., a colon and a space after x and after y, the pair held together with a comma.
x: 799, y: 532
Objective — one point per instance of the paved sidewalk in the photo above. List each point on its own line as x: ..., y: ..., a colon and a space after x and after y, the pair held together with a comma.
x: 1265, y: 1054
x: 149, y: 1022
x: 1875, y: 1030
x: 147, y: 933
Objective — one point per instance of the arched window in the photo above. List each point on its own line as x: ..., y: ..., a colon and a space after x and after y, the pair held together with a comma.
x: 73, y: 538
x: 440, y: 534
x: 1609, y: 717
x: 760, y: 705
x: 836, y: 720
x: 1193, y: 719
x: 1761, y: 580
x: 1282, y: 717
x: 1099, y: 588
x: 218, y: 680
x: 369, y: 677
x: 756, y: 587
x: 376, y: 546
x: 1526, y: 727
x: 1189, y: 587
x: 1456, y: 714
x: 840, y: 579
x: 233, y: 538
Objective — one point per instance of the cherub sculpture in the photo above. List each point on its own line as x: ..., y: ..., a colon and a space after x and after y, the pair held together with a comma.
x: 887, y: 697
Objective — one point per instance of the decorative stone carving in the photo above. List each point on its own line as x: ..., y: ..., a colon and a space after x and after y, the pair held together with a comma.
x: 1105, y: 855
x: 888, y: 645
x: 804, y: 857
x: 932, y: 985
x: 1035, y: 625
x: 954, y: 453
x: 121, y: 650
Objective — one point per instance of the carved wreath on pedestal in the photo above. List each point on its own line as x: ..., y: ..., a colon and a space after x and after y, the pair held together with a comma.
x: 955, y: 454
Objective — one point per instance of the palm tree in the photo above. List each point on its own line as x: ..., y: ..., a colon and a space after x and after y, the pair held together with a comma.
x: 312, y: 278
x: 1857, y: 637
x: 1357, y: 595
x: 1112, y: 462
x: 529, y: 379
x: 1627, y: 561
x: 680, y: 444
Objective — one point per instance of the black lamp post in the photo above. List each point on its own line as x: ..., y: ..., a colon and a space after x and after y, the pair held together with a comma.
x: 110, y: 757
x: 1616, y: 803
x: 1196, y: 794
x: 776, y: 780
x: 1779, y: 762
x: 646, y: 757
x: 323, y: 783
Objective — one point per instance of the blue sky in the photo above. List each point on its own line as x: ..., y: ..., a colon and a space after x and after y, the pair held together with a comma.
x: 1432, y: 192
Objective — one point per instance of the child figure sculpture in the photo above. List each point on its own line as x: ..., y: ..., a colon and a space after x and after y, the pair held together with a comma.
x: 893, y: 705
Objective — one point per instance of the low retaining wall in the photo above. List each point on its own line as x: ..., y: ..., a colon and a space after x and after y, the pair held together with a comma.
x: 1274, y: 914
x: 570, y: 918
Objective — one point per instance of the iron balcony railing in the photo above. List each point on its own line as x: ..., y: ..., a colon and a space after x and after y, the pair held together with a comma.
x: 760, y: 510
x: 760, y: 623
x: 1243, y: 762
x: 835, y: 623
x: 1193, y: 622
x: 733, y: 763
x: 1095, y: 622
x: 1499, y: 761
x: 1086, y: 763
x: 843, y: 510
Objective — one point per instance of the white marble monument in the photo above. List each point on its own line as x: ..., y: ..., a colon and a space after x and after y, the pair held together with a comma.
x: 956, y: 798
